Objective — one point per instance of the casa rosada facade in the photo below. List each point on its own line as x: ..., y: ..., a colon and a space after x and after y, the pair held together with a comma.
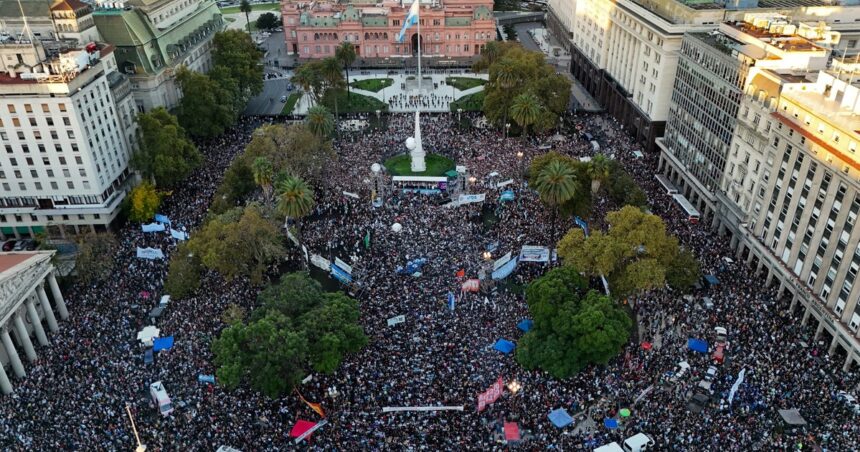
x: 449, y: 28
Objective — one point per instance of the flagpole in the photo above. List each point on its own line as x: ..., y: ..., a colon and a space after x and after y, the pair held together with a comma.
x: 420, y: 44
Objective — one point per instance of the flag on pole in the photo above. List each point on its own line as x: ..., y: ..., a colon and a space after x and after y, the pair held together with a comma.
x: 314, y: 406
x: 461, y: 273
x: 367, y: 240
x: 451, y: 301
x: 411, y: 19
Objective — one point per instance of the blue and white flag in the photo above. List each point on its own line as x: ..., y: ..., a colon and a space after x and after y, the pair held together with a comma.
x: 737, y: 385
x: 451, y: 301
x: 152, y: 227
x: 159, y: 218
x: 411, y: 19
x: 149, y: 253
x: 178, y: 235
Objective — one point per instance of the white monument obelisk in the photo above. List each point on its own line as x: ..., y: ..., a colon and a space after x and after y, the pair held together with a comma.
x: 413, y: 143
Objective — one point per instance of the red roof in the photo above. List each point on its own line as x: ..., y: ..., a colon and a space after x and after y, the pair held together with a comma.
x: 9, y: 260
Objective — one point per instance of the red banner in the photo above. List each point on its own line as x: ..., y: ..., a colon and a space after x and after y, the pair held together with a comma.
x: 471, y: 285
x: 491, y: 395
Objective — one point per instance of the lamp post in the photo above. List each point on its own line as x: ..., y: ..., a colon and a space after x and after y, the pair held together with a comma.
x: 487, y: 272
x: 520, y: 159
x: 507, y: 129
x: 140, y: 447
x: 459, y: 111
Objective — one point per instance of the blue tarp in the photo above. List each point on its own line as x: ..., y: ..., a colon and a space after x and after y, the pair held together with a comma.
x: 162, y: 343
x: 712, y: 280
x: 610, y: 423
x: 340, y: 275
x: 507, y: 195
x: 560, y: 418
x: 697, y: 345
x: 526, y: 325
x: 504, y: 346
x: 206, y: 378
x: 505, y: 270
x: 412, y: 266
x: 147, y: 356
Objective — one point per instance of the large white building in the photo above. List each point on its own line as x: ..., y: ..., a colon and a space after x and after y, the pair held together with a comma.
x: 625, y: 52
x: 67, y: 129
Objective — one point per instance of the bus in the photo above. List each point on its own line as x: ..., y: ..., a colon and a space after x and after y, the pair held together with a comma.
x: 668, y: 186
x: 692, y: 213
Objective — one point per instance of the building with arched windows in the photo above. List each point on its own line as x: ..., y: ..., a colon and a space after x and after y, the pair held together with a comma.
x: 449, y: 28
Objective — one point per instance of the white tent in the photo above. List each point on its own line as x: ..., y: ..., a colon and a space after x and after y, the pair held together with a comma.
x: 147, y: 334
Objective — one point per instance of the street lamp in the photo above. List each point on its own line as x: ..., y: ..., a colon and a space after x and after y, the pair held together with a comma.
x: 515, y: 387
x: 520, y: 159
x: 487, y: 255
x: 459, y: 111
x: 140, y: 447
x: 507, y: 129
x: 472, y: 180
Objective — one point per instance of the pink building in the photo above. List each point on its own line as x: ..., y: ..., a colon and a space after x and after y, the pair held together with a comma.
x: 449, y: 28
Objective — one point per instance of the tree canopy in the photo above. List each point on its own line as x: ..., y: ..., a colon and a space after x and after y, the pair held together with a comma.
x: 572, y: 328
x: 580, y: 204
x: 144, y: 202
x: 236, y: 52
x: 297, y: 328
x: 268, y: 21
x: 238, y: 242
x: 294, y: 150
x: 635, y: 254
x: 164, y: 153
x: 183, y: 275
x: 515, y: 71
x: 93, y: 262
x: 206, y: 108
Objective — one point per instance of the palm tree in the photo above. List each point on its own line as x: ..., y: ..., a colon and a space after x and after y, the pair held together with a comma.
x: 598, y: 171
x: 526, y: 110
x: 264, y: 173
x: 295, y: 200
x: 506, y: 78
x: 556, y: 184
x: 320, y: 121
x: 330, y: 71
x: 245, y: 7
x: 345, y: 54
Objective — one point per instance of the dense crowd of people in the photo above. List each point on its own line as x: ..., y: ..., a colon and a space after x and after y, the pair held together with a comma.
x: 75, y: 395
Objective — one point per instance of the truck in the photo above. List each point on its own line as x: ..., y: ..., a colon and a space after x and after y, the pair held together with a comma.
x: 160, y: 398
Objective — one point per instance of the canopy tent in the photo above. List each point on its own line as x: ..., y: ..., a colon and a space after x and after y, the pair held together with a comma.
x: 301, y: 427
x: 162, y: 343
x: 512, y: 431
x: 792, y: 417
x: 452, y: 174
x: 504, y: 346
x: 156, y: 312
x: 526, y: 325
x: 610, y: 423
x: 147, y: 334
x: 712, y: 280
x: 697, y: 345
x: 560, y: 418
x: 625, y: 412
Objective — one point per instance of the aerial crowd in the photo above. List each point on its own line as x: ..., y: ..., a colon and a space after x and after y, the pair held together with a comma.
x: 74, y: 397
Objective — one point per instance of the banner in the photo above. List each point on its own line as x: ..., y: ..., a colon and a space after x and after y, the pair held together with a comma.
x: 507, y: 195
x: 149, y: 253
x: 532, y: 253
x: 340, y: 275
x: 451, y: 301
x: 466, y: 199
x: 351, y: 195
x: 292, y: 237
x: 504, y: 183
x: 152, y: 227
x: 367, y: 240
x: 396, y: 320
x: 471, y: 285
x: 320, y: 262
x: 502, y: 261
x: 343, y: 265
x: 491, y: 395
x: 178, y: 235
x: 505, y: 270
x: 737, y: 384
x: 159, y: 218
x: 581, y: 223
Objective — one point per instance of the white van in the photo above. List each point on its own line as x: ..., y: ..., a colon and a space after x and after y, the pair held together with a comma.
x: 611, y: 447
x: 638, y: 443
x: 160, y: 398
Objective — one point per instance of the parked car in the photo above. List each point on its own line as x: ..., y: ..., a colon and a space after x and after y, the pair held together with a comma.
x: 25, y: 245
x: 721, y: 334
x: 698, y: 403
x: 711, y: 374
x: 639, y: 442
x: 283, y: 99
x: 160, y: 398
x: 9, y: 245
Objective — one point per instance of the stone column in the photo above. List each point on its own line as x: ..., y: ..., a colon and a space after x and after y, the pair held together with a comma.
x: 17, y: 365
x: 781, y: 289
x: 58, y: 296
x: 818, y: 330
x: 46, y: 306
x: 806, y: 314
x: 793, y: 303
x: 37, y: 323
x: 848, y: 361
x: 769, y: 278
x: 833, y: 345
x: 734, y: 242
x: 750, y: 258
x: 5, y: 385
x: 24, y: 337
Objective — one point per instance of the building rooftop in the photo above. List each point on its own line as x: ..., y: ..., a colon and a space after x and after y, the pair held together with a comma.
x: 55, y: 61
x: 780, y: 36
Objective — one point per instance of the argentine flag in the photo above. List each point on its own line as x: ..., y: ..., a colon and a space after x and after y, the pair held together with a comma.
x: 411, y: 19
x: 451, y: 301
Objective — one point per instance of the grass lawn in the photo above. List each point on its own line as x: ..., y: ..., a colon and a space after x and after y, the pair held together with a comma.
x: 464, y: 83
x: 357, y: 103
x: 291, y: 103
x: 437, y: 165
x: 372, y: 84
x: 254, y: 7
x: 472, y: 102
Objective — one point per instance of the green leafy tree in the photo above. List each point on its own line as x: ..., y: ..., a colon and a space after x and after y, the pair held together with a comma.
x: 223, y: 244
x: 264, y: 175
x: 245, y: 7
x: 345, y: 54
x: 233, y: 314
x: 556, y: 184
x: 206, y: 108
x: 309, y: 78
x: 268, y: 21
x: 683, y: 271
x: 237, y: 55
x: 634, y: 254
x: 330, y: 69
x: 144, y: 202
x: 294, y: 295
x: 183, y: 275
x: 623, y: 189
x: 294, y: 150
x: 165, y: 155
x: 295, y: 200
x: 573, y: 328
x: 598, y: 171
x: 320, y: 121
x: 238, y: 183
x: 526, y: 110
x: 93, y: 262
